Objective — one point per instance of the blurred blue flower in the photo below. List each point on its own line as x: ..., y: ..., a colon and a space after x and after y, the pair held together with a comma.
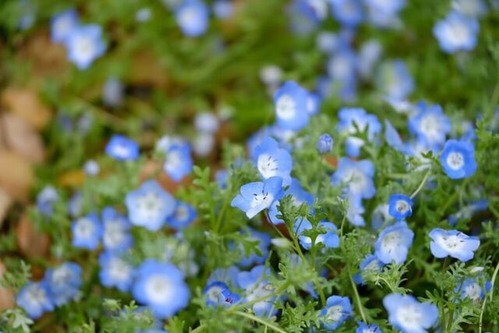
x: 178, y: 162
x: 116, y: 236
x: 356, y: 177
x: 430, y: 124
x: 453, y: 243
x: 35, y: 299
x: 369, y: 264
x: 394, y: 80
x: 255, y: 287
x: 218, y: 293
x: 85, y: 44
x: 182, y: 217
x: 347, y: 12
x: 329, y: 238
x: 122, y: 148
x: 259, y: 257
x: 113, y: 92
x: 87, y: 232
x: 406, y: 314
x: 298, y: 197
x: 290, y: 102
x: 458, y: 159
x: 393, y: 243
x: 192, y: 17
x: 115, y: 271
x: 367, y: 328
x: 64, y: 282
x: 456, y: 32
x: 63, y: 24
x: 46, y: 199
x: 336, y: 311
x: 353, y: 120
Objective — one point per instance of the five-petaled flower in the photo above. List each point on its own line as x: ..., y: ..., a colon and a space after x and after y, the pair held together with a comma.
x: 458, y: 159
x: 406, y: 314
x: 453, y: 243
x: 257, y: 196
x: 400, y: 206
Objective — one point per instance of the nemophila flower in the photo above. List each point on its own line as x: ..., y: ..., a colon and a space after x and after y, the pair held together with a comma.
x: 336, y: 312
x: 178, y: 162
x: 471, y: 8
x: 46, y: 199
x: 192, y: 17
x: 116, y: 236
x: 456, y: 32
x: 182, y: 217
x: 223, y: 8
x: 369, y: 55
x: 87, y: 232
x: 328, y: 236
x: 406, y: 314
x: 113, y: 92
x: 394, y: 80
x: 453, y: 243
x: 115, y: 272
x: 430, y: 124
x: 369, y: 264
x: 367, y: 328
x: 257, y: 196
x: 271, y: 160
x: 353, y: 120
x: 384, y: 13
x: 400, y: 206
x: 203, y: 144
x: 324, y: 143
x: 354, y: 211
x: 64, y: 282
x: 290, y: 103
x: 298, y: 197
x: 206, y: 122
x: 35, y: 299
x: 122, y: 148
x: 392, y: 137
x: 62, y: 25
x: 161, y: 287
x: 458, y: 159
x: 149, y: 206
x: 218, y: 293
x: 91, y: 168
x: 471, y: 288
x: 304, y: 18
x: 393, y: 243
x: 380, y: 216
x: 85, y: 44
x: 356, y: 176
x: 255, y: 286
x: 342, y: 69
x: 143, y: 14
x: 347, y: 12
x: 313, y: 103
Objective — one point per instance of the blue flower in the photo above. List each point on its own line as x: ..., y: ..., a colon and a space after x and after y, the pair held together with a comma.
x: 392, y: 137
x: 456, y: 32
x: 324, y: 143
x: 255, y: 286
x: 369, y: 264
x: 329, y: 238
x: 367, y: 328
x: 406, y: 314
x: 218, y: 293
x: 271, y: 160
x: 471, y: 8
x: 384, y: 13
x: 64, y: 282
x: 75, y: 204
x: 161, y: 287
x: 192, y: 17
x: 116, y: 237
x: 298, y: 197
x: 430, y: 124
x: 395, y: 80
x: 91, y: 168
x: 257, y: 196
x: 87, y: 232
x: 355, y: 211
x: 122, y: 148
x: 112, y: 92
x: 313, y: 103
x: 453, y: 243
x: 400, y: 206
x: 178, y: 162
x: 393, y: 243
x: 62, y: 25
x: 336, y: 311
x: 353, y: 120
x: 342, y: 69
x: 369, y: 55
x: 290, y: 102
x: 35, y: 299
x: 149, y: 206
x: 85, y: 44
x: 347, y: 12
x: 46, y: 199
x: 458, y: 159
x: 115, y: 272
x: 356, y: 176
x: 471, y: 288
x: 182, y: 217
x: 223, y: 8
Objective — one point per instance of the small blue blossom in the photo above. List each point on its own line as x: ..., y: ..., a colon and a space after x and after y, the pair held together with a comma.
x: 62, y: 25
x: 75, y: 204
x: 87, y: 232
x: 336, y: 311
x: 255, y: 286
x: 35, y: 299
x: 313, y: 103
x: 116, y: 237
x: 161, y: 287
x: 430, y: 124
x: 192, y: 17
x: 223, y: 9
x: 406, y: 314
x: 458, y: 159
x: 453, y: 243
x: 456, y: 32
x: 46, y: 199
x: 112, y: 92
x: 290, y: 102
x: 355, y: 210
x: 122, y: 148
x: 400, y: 206
x: 91, y: 168
x: 64, y: 282
x: 178, y: 162
x: 347, y: 12
x: 206, y: 122
x: 182, y: 217
x: 298, y: 197
x: 324, y: 143
x: 218, y: 293
x: 384, y: 13
x: 149, y: 206
x: 471, y: 8
x: 342, y: 68
x: 329, y: 238
x: 369, y: 264
x: 471, y: 288
x: 257, y: 196
x: 369, y: 55
x: 367, y: 328
x: 393, y: 243
x: 85, y: 44
x: 394, y: 80
x: 304, y: 18
x: 353, y: 120
x: 115, y: 272
x: 380, y: 216
x: 356, y: 177
x: 271, y: 160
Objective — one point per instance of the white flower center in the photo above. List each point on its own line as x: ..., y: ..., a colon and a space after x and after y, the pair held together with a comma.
x: 159, y: 289
x: 84, y: 228
x: 215, y: 294
x: 181, y: 213
x: 457, y: 33
x: 267, y: 165
x: 119, y: 270
x: 149, y: 205
x: 188, y: 15
x: 430, y: 128
x: 286, y: 107
x: 452, y: 242
x: 173, y: 160
x: 455, y: 160
x: 356, y: 181
x: 334, y: 313
x: 402, y: 206
x: 84, y: 47
x: 36, y: 296
x: 60, y: 276
x: 391, y: 242
x: 473, y: 291
x: 409, y: 316
x: 114, y: 233
x: 262, y: 199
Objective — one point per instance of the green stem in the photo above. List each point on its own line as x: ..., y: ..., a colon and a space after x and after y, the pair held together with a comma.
x: 420, y: 187
x: 261, y: 321
x: 357, y: 298
x: 492, y: 281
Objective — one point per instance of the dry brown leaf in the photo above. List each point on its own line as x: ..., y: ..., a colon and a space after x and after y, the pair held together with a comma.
x: 146, y: 70
x: 27, y: 105
x: 16, y: 176
x: 5, y: 203
x: 32, y: 242
x: 20, y: 136
x: 71, y: 178
x: 6, y: 295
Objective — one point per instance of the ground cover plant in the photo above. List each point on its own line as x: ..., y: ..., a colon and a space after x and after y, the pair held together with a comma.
x: 250, y: 166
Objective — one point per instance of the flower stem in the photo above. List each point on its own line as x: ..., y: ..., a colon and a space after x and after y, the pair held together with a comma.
x: 357, y: 298
x: 261, y: 321
x: 492, y: 280
x: 420, y: 187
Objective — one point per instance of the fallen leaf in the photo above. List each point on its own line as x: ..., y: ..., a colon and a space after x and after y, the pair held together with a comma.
x: 16, y: 176
x: 31, y: 241
x: 71, y: 178
x: 27, y: 105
